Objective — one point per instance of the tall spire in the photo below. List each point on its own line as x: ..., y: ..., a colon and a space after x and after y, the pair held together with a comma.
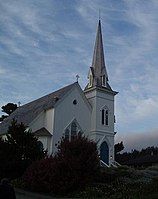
x: 97, y: 73
x: 98, y: 63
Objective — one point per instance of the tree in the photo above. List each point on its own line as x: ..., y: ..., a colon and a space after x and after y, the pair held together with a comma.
x: 127, y: 157
x: 18, y: 150
x: 24, y: 143
x: 119, y: 147
x: 8, y: 109
x: 75, y: 165
x: 3, y: 117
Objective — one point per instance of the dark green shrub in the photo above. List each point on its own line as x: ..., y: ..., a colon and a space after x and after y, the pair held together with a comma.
x: 109, y: 175
x: 13, y: 169
x: 40, y: 175
x: 75, y: 165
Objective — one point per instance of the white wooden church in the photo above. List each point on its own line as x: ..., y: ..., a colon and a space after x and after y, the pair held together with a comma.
x: 71, y: 110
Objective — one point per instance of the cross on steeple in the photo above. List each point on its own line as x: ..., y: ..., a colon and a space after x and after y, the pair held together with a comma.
x: 77, y: 77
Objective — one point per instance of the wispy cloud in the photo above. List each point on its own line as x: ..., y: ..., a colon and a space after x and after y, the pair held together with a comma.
x: 44, y: 44
x: 2, y: 71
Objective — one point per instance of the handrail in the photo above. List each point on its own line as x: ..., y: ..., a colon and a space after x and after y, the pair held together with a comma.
x: 115, y: 164
x: 104, y: 164
x: 118, y: 164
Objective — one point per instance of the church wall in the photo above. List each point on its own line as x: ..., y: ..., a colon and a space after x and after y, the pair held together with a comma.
x: 99, y: 100
x: 104, y: 99
x: 66, y: 112
x: 49, y: 120
x: 44, y: 119
x: 38, y: 122
x: 99, y: 132
x: 109, y: 139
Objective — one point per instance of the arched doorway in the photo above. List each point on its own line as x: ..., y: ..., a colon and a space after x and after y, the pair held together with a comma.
x: 104, y: 153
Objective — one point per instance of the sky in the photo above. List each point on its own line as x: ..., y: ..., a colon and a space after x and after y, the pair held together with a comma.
x: 45, y: 43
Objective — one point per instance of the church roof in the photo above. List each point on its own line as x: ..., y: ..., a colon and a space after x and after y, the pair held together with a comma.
x: 42, y: 132
x: 28, y: 112
x: 107, y: 88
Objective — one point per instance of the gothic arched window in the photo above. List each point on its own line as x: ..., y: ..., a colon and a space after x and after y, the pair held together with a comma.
x: 72, y: 130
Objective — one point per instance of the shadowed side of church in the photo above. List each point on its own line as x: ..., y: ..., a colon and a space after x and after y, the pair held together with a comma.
x: 70, y: 111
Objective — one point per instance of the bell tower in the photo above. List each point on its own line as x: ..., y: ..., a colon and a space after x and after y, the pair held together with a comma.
x: 101, y: 97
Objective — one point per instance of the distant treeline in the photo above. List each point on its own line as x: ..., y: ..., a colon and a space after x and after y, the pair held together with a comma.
x: 146, y: 156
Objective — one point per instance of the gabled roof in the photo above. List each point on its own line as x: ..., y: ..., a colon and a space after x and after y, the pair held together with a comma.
x: 28, y: 112
x: 42, y: 132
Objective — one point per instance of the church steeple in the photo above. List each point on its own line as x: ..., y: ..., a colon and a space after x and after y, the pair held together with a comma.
x: 98, y: 75
x: 101, y: 98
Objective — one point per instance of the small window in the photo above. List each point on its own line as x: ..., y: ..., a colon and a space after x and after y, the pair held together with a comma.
x: 75, y: 102
x: 105, y: 117
x: 67, y: 132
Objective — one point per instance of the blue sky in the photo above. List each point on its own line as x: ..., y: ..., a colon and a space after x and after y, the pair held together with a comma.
x: 45, y: 43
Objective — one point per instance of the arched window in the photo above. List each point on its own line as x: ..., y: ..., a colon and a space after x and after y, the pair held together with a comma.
x: 105, y: 117
x: 67, y: 132
x: 73, y: 130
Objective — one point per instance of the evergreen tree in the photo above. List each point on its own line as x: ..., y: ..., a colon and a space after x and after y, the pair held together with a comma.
x: 18, y: 150
x: 8, y: 109
x: 24, y: 144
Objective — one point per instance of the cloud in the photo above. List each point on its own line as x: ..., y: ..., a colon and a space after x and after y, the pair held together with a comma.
x: 135, y: 67
x: 44, y: 44
x: 135, y: 140
x: 2, y: 71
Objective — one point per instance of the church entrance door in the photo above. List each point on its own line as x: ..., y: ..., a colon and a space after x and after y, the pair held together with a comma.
x: 104, y: 153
